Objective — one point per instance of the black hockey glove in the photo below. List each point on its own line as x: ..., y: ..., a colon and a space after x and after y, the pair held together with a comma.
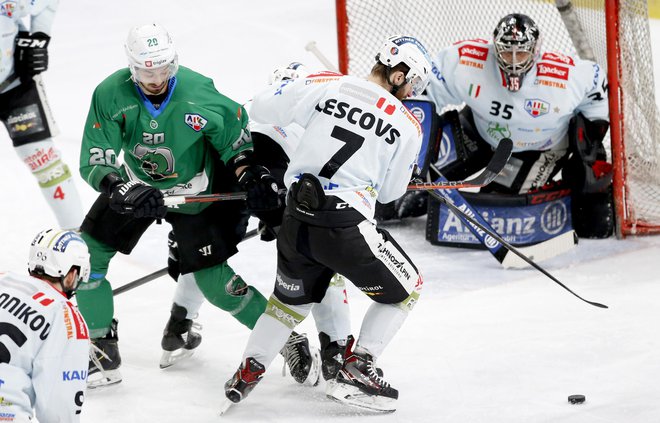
x: 261, y: 188
x: 31, y: 54
x: 133, y: 197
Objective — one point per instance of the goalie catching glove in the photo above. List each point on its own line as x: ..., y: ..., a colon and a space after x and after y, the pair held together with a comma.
x: 133, y: 197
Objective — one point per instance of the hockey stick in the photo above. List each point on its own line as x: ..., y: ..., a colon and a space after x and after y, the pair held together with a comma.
x: 175, y: 200
x: 540, y: 251
x: 311, y: 47
x: 494, y: 167
x: 7, y: 82
x: 162, y: 272
x: 506, y: 245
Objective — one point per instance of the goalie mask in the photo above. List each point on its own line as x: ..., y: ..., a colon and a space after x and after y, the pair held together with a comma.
x: 54, y: 253
x: 152, y: 57
x: 409, y: 51
x: 517, y: 43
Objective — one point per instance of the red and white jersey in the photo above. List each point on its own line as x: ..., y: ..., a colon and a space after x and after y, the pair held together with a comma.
x: 12, y: 12
x: 537, y: 116
x: 44, y: 352
x: 359, y: 140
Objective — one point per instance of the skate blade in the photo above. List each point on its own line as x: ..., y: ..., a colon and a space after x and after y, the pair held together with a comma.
x: 226, y: 405
x: 314, y: 375
x: 103, y: 379
x: 169, y: 358
x: 353, y: 396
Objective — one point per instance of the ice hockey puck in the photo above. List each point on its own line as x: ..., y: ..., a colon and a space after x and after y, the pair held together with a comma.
x: 576, y: 399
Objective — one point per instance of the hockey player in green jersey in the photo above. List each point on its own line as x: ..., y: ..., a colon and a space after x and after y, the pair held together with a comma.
x: 179, y: 136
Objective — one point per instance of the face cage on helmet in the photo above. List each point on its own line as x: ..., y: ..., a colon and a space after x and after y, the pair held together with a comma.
x: 515, y: 69
x: 418, y: 83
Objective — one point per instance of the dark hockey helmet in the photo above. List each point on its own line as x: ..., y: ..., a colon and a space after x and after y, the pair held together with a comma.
x: 517, y: 41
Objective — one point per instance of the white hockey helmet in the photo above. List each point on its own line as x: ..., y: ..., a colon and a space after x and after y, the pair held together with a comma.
x: 55, y: 253
x: 409, y: 51
x: 150, y: 47
x: 293, y: 70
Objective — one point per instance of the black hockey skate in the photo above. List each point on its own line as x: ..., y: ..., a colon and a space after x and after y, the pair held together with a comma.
x: 332, y: 357
x: 304, y: 362
x: 358, y: 384
x: 104, y: 360
x: 179, y: 340
x: 243, y: 382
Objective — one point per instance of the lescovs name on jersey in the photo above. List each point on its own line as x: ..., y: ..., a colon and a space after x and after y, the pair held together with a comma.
x: 357, y: 116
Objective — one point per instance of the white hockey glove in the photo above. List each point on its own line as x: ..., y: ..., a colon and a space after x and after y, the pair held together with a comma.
x: 293, y: 70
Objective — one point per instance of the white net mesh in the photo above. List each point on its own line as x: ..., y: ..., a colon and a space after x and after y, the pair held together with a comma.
x: 439, y: 23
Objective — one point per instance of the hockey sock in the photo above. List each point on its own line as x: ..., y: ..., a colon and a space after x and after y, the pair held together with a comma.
x: 94, y: 297
x: 333, y: 315
x: 226, y: 290
x: 55, y: 181
x: 273, y: 329
x: 380, y: 324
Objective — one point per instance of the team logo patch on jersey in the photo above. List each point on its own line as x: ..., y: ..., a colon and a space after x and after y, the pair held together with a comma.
x: 157, y: 163
x: 552, y: 71
x: 195, y: 121
x: 558, y: 57
x: 7, y: 8
x: 536, y: 107
x: 497, y: 131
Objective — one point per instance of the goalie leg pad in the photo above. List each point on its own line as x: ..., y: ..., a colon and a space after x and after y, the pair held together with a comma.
x: 593, y: 214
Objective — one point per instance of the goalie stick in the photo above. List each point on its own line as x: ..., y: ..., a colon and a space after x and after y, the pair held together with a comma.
x: 162, y: 272
x: 494, y: 167
x: 540, y: 251
x: 508, y: 246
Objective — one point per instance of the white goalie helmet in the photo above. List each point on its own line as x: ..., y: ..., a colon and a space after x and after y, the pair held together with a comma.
x: 409, y: 51
x: 150, y: 47
x: 55, y: 252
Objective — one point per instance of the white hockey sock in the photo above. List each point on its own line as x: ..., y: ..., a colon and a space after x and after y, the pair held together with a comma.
x: 380, y: 324
x: 188, y: 295
x: 333, y: 315
x: 270, y: 334
x: 55, y: 181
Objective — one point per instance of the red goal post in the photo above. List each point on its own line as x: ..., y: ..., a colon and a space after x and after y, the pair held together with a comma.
x: 615, y: 33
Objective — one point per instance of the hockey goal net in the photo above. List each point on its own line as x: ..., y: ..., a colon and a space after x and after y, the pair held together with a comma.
x: 615, y: 33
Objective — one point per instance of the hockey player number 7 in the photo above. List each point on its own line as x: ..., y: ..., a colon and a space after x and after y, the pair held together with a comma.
x: 353, y: 143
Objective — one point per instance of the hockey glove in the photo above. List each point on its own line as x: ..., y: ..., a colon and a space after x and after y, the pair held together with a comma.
x: 293, y: 70
x: 31, y: 54
x: 137, y: 198
x: 261, y: 188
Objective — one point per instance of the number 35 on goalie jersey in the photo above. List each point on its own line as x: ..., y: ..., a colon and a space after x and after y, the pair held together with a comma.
x: 537, y: 116
x: 359, y: 139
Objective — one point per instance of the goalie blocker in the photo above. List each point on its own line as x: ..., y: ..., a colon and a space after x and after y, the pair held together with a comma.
x: 582, y: 200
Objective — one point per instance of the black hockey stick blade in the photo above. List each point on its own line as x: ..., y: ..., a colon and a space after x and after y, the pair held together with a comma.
x: 162, y: 272
x: 509, y: 247
x: 494, y: 167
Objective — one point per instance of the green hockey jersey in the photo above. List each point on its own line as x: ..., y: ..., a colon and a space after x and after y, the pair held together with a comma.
x: 168, y: 148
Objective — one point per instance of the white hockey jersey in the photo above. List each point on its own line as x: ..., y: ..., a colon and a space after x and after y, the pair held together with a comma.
x: 537, y: 116
x: 12, y: 12
x: 359, y: 140
x: 44, y: 352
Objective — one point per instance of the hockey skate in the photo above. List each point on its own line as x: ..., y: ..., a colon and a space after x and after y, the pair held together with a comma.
x: 358, y: 384
x: 104, y: 360
x: 332, y: 358
x: 304, y: 362
x: 179, y: 340
x: 243, y: 382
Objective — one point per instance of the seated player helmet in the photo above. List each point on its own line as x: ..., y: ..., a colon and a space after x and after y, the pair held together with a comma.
x: 55, y: 253
x: 409, y: 51
x: 517, y: 41
x: 150, y: 47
